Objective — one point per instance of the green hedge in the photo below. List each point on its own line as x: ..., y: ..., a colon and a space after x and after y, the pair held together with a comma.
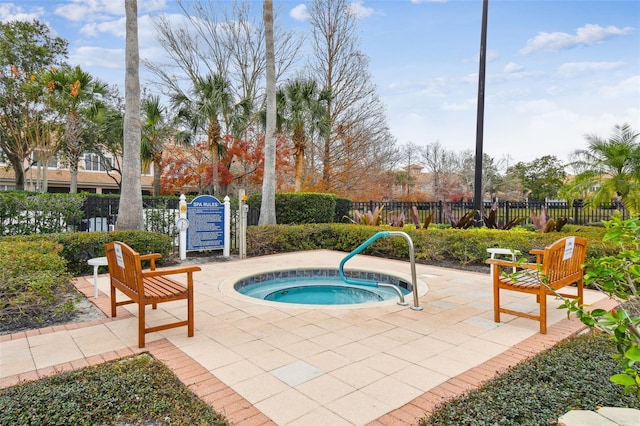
x: 24, y: 213
x: 431, y: 246
x: 78, y: 247
x: 300, y: 207
x: 32, y: 282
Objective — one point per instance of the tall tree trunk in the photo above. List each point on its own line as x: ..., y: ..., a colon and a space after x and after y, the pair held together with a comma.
x: 268, y: 206
x: 157, y: 172
x: 299, y: 144
x: 130, y: 208
x: 215, y: 136
x: 18, y: 170
x: 73, y: 147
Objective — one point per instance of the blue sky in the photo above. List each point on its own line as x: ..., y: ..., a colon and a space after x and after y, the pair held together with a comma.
x: 556, y: 70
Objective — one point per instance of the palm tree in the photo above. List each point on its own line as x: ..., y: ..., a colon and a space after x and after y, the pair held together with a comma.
x: 77, y: 96
x: 209, y: 107
x: 268, y: 203
x: 612, y: 166
x: 155, y: 133
x: 304, y: 109
x: 130, y: 214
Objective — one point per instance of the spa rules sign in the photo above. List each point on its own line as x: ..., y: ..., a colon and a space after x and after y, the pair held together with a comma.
x: 206, y: 231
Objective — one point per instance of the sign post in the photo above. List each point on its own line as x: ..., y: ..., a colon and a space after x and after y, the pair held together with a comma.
x: 208, y: 224
x: 182, y: 223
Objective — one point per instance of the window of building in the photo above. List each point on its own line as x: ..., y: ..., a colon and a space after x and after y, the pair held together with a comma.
x: 94, y: 162
x: 52, y: 162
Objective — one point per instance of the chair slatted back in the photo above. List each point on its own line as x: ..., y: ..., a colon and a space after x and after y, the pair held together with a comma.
x: 125, y: 269
x: 562, y: 261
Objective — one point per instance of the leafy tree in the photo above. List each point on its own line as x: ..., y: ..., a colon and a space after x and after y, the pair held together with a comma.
x: 359, y: 146
x: 156, y: 132
x: 78, y: 98
x: 441, y: 163
x: 130, y: 208
x: 210, y: 108
x: 490, y: 175
x: 303, y: 111
x: 108, y: 138
x: 541, y: 178
x: 26, y: 48
x: 611, y: 166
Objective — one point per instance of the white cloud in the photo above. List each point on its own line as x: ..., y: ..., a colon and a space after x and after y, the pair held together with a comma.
x: 512, y: 67
x: 11, y: 12
x: 89, y: 56
x: 536, y: 107
x: 300, y: 12
x: 625, y: 87
x: 587, y: 35
x: 572, y: 69
x: 460, y: 106
x: 94, y: 29
x: 358, y: 10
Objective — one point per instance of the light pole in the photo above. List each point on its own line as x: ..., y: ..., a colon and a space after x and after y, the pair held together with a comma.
x: 477, y: 189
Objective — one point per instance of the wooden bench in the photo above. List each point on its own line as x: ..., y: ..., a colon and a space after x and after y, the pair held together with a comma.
x: 147, y: 287
x: 557, y: 266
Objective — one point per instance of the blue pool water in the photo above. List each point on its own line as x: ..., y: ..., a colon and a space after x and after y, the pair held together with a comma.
x: 318, y: 287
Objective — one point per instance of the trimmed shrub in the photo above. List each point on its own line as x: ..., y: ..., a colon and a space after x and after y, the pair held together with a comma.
x: 34, y: 284
x: 300, y: 207
x: 431, y: 246
x: 24, y: 213
x: 343, y: 208
x: 78, y: 247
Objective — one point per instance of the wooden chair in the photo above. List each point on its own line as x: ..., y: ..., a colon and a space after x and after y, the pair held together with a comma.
x: 147, y: 287
x: 557, y: 266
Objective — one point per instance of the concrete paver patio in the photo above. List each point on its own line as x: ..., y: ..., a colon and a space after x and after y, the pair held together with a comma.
x: 271, y: 363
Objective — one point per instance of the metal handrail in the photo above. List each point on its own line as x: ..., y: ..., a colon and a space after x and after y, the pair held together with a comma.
x: 416, y: 303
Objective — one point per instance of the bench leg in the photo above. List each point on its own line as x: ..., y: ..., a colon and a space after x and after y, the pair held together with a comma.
x: 542, y: 298
x: 113, y: 301
x: 190, y: 313
x: 496, y: 293
x: 141, y: 330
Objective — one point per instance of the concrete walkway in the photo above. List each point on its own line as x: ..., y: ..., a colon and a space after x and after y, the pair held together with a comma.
x: 270, y: 363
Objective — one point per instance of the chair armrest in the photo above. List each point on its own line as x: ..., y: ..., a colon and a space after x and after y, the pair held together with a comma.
x: 538, y: 253
x: 171, y: 271
x: 151, y: 257
x: 510, y: 264
x: 502, y: 262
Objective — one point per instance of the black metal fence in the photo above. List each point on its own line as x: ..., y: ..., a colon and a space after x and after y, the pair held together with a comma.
x: 100, y: 213
x: 576, y: 212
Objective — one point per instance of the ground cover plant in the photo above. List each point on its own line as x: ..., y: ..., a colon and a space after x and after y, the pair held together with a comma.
x: 135, y: 390
x: 574, y: 374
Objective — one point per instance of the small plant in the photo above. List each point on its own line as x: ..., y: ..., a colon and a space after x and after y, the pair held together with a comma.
x: 415, y: 218
x: 541, y: 223
x: 397, y: 220
x: 491, y: 221
x: 619, y: 277
x: 465, y: 222
x: 369, y: 218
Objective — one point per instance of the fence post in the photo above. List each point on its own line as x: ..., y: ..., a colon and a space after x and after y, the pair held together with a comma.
x: 576, y: 211
x: 241, y: 229
x: 506, y: 212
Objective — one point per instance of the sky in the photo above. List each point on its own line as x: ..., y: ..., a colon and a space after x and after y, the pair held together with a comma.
x: 556, y: 71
